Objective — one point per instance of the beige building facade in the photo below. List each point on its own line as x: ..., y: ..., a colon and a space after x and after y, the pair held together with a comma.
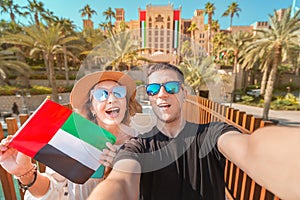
x: 162, y: 31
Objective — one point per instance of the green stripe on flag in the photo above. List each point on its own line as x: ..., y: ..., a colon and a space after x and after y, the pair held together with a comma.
x: 88, y: 131
x: 144, y: 27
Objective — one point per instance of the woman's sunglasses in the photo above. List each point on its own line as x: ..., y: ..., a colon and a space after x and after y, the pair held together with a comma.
x: 171, y: 87
x: 101, y: 94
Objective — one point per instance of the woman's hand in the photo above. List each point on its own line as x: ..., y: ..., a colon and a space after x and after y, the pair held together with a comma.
x: 11, y: 160
x: 108, y: 155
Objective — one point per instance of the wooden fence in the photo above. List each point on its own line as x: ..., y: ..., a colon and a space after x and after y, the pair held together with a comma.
x: 238, y: 184
x: 198, y: 110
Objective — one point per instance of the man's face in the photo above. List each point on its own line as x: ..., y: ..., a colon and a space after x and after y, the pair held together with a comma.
x: 167, y: 107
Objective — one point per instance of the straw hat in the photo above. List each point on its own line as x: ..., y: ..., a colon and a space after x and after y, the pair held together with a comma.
x: 80, y: 92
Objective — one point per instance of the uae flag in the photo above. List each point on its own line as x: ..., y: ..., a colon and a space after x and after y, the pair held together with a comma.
x: 176, y: 28
x: 143, y: 27
x: 63, y: 140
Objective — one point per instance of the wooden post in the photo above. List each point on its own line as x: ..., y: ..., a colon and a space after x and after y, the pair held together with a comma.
x: 12, y: 125
x: 6, y: 178
x: 23, y: 118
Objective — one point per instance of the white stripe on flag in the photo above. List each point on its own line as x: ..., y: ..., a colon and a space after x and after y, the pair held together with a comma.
x: 176, y: 34
x: 77, y: 149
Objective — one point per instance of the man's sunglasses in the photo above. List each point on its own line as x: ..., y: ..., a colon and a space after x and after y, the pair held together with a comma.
x: 171, y: 87
x: 101, y: 94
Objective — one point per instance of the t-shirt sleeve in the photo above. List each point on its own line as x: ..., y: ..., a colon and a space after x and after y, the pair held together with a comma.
x: 210, y: 135
x: 130, y: 150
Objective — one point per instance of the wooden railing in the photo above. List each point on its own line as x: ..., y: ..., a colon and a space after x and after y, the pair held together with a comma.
x: 198, y: 110
x: 238, y: 184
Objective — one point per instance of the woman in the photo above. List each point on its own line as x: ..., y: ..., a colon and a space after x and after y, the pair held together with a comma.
x: 106, y: 98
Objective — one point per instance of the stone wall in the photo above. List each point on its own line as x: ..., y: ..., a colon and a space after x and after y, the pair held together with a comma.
x: 28, y: 104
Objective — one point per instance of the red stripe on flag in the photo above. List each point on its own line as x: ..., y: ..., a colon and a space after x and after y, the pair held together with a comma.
x: 40, y: 128
x: 143, y: 15
x: 176, y: 14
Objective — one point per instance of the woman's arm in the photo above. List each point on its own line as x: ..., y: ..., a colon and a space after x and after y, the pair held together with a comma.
x: 18, y: 164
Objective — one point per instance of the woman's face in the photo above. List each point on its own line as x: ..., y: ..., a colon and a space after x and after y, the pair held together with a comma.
x: 110, y: 110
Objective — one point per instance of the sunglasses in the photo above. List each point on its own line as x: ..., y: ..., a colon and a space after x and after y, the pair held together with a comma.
x: 171, y: 87
x: 101, y: 94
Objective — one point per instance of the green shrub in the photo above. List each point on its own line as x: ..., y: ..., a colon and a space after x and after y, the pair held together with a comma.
x: 34, y: 90
x: 40, y: 90
x: 8, y: 90
x: 288, y: 102
x: 247, y: 99
x: 139, y: 82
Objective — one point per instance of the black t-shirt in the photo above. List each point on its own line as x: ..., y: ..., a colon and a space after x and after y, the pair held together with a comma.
x: 186, y: 167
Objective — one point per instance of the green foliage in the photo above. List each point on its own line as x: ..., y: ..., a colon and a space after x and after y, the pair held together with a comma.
x: 139, y: 82
x: 251, y: 87
x: 8, y: 90
x: 34, y: 90
x: 58, y: 77
x: 247, y: 98
x: 288, y: 102
x: 40, y: 90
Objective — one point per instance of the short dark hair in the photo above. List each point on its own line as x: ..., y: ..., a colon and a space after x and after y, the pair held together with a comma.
x: 165, y: 66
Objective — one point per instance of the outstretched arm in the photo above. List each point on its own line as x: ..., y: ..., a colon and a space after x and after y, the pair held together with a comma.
x: 270, y: 156
x: 20, y: 165
x: 122, y: 182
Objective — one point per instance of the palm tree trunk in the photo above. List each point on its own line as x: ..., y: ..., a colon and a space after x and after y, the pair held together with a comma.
x: 66, y: 65
x: 36, y: 18
x: 235, y: 65
x: 209, y: 34
x: 264, y: 82
x: 52, y: 78
x: 12, y: 17
x: 47, y: 68
x: 270, y: 84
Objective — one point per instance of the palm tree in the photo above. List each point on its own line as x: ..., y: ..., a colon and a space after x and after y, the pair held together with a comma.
x: 103, y: 25
x: 123, y: 26
x: 235, y: 43
x: 109, y: 14
x: 210, y: 11
x: 37, y: 8
x: 47, y: 40
x: 215, y: 26
x: 199, y: 72
x: 193, y: 27
x: 233, y: 9
x: 68, y: 28
x: 276, y: 45
x: 10, y: 64
x: 8, y: 6
x: 119, y: 51
x: 87, y: 11
x: 218, y: 43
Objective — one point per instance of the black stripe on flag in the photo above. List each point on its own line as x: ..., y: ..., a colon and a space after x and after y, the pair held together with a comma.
x: 63, y: 164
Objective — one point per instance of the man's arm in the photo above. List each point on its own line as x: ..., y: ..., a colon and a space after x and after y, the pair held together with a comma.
x: 122, y: 183
x: 270, y: 156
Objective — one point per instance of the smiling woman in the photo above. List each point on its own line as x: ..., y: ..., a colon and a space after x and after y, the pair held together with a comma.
x: 108, y: 99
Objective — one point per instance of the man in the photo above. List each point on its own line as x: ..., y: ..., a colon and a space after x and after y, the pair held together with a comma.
x: 181, y: 160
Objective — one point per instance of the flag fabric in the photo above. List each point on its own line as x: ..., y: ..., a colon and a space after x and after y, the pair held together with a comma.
x: 64, y: 141
x: 176, y: 28
x: 143, y: 27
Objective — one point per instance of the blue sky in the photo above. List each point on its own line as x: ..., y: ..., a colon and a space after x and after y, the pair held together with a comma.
x: 252, y: 10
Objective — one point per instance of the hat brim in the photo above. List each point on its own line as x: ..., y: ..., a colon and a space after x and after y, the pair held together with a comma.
x: 80, y: 92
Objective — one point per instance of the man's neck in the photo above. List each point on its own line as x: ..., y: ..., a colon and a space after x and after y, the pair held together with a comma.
x: 171, y: 129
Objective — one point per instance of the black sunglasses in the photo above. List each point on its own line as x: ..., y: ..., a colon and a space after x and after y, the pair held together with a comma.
x: 171, y: 87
